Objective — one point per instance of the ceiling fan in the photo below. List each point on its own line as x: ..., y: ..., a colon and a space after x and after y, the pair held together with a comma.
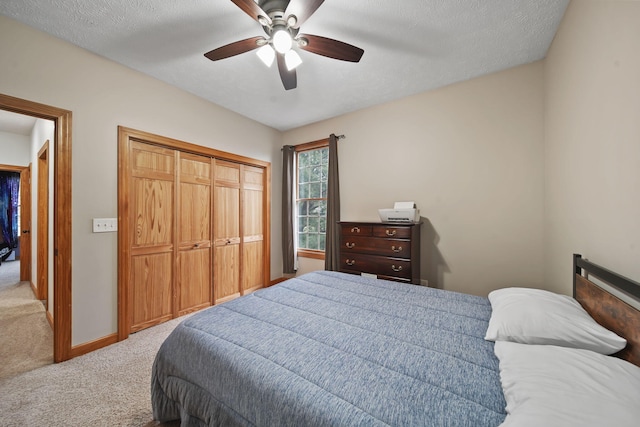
x: 281, y: 20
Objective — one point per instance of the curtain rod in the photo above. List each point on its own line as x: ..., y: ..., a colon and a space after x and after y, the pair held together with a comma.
x: 337, y: 137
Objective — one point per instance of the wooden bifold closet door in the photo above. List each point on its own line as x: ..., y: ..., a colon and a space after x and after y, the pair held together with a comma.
x: 193, y: 233
x: 239, y: 236
x: 152, y: 212
x: 162, y: 289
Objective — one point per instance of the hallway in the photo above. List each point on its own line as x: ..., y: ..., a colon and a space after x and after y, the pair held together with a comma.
x: 26, y: 338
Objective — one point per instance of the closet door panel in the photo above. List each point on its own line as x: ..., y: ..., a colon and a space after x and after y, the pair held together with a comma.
x: 253, y: 258
x: 226, y: 278
x: 226, y: 223
x: 227, y: 260
x: 252, y: 228
x: 194, y: 290
x: 153, y: 207
x: 152, y: 242
x: 151, y: 285
x: 194, y: 266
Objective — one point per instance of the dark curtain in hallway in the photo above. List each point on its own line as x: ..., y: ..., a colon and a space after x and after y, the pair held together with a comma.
x: 9, y: 202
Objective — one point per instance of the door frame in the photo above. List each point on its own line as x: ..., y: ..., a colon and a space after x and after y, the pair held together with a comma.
x: 61, y: 216
x: 42, y: 247
x: 26, y: 239
x: 125, y: 228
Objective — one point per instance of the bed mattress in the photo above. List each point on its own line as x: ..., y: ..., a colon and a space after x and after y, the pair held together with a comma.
x: 331, y: 349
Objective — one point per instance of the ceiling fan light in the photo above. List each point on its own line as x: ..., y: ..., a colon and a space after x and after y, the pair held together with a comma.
x: 266, y: 54
x: 292, y: 59
x: 282, y: 41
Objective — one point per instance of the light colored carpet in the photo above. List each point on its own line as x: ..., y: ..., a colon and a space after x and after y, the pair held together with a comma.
x: 107, y: 387
x: 26, y: 338
x: 9, y: 273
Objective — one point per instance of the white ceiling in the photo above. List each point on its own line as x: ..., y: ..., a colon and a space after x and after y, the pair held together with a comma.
x: 16, y: 123
x: 410, y: 46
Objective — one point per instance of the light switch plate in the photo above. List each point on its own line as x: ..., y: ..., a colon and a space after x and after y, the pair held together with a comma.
x: 105, y: 225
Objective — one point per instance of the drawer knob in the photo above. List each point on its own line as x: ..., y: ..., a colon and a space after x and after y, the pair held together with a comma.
x: 350, y: 261
x: 398, y: 249
x: 355, y: 230
x: 396, y: 269
x: 350, y: 245
x: 391, y: 232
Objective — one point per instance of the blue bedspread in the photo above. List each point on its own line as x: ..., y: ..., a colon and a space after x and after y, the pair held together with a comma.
x: 330, y: 349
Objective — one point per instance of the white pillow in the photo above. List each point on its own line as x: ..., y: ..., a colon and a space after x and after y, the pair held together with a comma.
x: 557, y: 386
x: 535, y: 316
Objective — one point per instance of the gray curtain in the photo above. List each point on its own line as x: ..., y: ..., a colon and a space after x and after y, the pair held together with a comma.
x: 331, y: 260
x: 288, y: 207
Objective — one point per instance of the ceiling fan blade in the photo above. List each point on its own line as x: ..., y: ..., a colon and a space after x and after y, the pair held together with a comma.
x: 234, y: 48
x: 302, y: 10
x: 251, y: 8
x: 331, y: 48
x: 289, y: 78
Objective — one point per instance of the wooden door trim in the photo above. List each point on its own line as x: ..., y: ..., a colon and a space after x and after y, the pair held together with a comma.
x: 61, y: 218
x: 125, y: 135
x: 42, y: 227
x: 26, y: 243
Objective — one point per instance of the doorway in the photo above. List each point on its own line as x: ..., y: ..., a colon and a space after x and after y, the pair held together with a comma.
x: 61, y: 152
x: 42, y: 263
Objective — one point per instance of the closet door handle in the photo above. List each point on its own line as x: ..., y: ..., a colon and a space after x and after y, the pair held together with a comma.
x: 26, y: 231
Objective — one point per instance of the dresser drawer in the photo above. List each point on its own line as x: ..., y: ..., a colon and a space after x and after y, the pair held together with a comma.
x: 349, y: 229
x: 376, y: 246
x: 390, y: 251
x: 389, y: 231
x: 381, y: 266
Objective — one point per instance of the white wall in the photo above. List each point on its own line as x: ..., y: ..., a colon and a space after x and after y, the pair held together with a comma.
x: 102, y: 95
x: 471, y: 156
x: 14, y: 149
x: 592, y: 149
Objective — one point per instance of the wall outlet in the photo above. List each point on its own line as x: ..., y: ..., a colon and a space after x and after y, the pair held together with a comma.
x: 105, y: 225
x: 424, y: 282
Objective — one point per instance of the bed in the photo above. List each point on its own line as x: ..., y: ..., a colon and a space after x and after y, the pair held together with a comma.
x: 332, y: 349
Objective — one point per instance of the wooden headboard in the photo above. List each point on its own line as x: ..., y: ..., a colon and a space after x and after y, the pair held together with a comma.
x: 606, y: 308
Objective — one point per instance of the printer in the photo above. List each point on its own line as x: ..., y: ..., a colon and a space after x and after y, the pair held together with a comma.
x: 404, y: 212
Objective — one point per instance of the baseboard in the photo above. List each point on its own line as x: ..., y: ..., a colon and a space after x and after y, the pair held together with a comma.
x: 278, y: 280
x: 50, y: 319
x: 88, y: 347
x: 34, y: 289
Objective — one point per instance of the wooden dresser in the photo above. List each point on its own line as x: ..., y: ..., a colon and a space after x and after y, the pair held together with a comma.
x: 390, y: 251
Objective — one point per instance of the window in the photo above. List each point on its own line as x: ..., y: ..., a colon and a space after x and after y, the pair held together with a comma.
x: 312, y: 161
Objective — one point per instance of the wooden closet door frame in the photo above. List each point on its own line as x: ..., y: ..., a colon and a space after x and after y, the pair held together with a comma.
x: 125, y: 135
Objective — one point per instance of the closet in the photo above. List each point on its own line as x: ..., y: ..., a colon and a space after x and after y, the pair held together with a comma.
x: 192, y: 224
x: 239, y: 236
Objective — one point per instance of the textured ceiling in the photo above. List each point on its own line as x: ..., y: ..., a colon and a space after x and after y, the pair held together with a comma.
x: 410, y: 46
